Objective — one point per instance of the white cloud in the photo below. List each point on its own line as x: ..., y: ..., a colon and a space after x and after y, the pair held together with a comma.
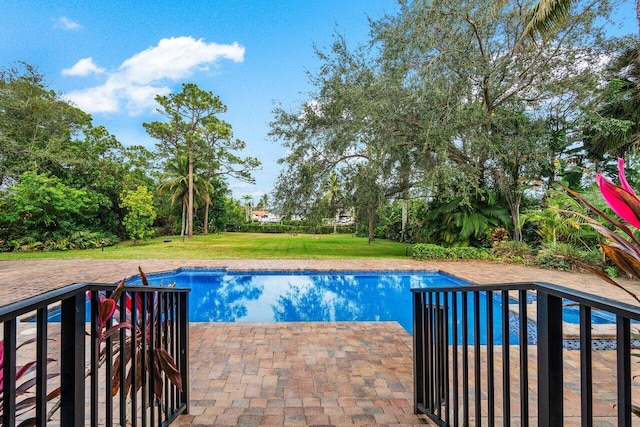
x: 139, y: 79
x: 64, y: 23
x: 84, y: 67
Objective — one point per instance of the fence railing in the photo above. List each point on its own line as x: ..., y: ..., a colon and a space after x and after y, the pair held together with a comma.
x: 59, y: 364
x: 523, y: 354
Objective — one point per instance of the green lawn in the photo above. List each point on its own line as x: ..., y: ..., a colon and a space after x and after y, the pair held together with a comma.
x: 237, y: 246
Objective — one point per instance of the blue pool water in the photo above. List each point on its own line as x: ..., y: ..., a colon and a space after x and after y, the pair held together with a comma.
x: 231, y: 296
x: 285, y: 296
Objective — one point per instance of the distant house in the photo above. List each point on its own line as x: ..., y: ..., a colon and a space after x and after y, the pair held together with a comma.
x: 265, y: 217
x: 342, y: 218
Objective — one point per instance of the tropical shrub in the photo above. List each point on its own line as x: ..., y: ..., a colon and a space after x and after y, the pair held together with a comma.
x: 431, y: 251
x: 455, y: 223
x: 512, y: 249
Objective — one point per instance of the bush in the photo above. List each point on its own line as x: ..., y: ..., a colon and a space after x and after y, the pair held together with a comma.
x: 430, y: 251
x: 58, y: 242
x: 562, y: 256
x: 511, y: 249
x: 301, y: 229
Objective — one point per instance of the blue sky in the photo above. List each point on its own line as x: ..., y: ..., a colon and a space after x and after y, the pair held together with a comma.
x: 112, y: 57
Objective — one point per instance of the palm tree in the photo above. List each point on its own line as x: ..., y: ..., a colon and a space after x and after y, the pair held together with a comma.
x: 545, y: 16
x: 614, y: 129
x: 248, y: 204
x: 175, y: 181
x: 332, y: 196
x: 263, y: 203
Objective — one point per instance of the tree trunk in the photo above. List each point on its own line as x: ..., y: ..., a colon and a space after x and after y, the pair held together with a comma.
x: 206, y: 218
x: 405, y: 216
x: 183, y: 219
x: 515, y: 217
x: 190, y: 211
x: 372, y: 224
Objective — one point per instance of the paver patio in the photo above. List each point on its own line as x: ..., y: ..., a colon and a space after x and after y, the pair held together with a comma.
x: 344, y: 373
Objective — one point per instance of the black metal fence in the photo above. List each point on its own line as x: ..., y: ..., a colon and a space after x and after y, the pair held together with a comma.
x: 504, y: 354
x: 69, y: 359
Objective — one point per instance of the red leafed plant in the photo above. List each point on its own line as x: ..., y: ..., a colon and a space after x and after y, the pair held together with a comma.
x: 622, y: 246
x: 108, y: 327
x: 24, y: 385
x: 161, y: 360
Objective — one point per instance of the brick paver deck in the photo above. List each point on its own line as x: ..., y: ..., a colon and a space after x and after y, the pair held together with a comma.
x: 345, y: 373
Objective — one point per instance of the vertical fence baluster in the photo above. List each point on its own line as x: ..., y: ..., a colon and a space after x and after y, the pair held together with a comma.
x: 134, y: 359
x: 506, y: 373
x: 623, y: 361
x: 490, y: 368
x: 586, y: 367
x: 9, y: 373
x: 95, y: 354
x: 122, y: 368
x: 72, y: 360
x: 108, y: 376
x: 164, y: 333
x: 524, y: 360
x: 437, y: 361
x: 418, y: 351
x: 172, y: 344
x: 41, y: 365
x: 430, y: 370
x: 465, y: 358
x: 144, y: 356
x: 550, y: 381
x: 444, y: 342
x: 183, y: 317
x: 454, y: 361
x: 476, y: 359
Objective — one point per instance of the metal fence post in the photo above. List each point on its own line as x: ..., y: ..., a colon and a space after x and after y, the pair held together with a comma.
x: 72, y: 360
x: 550, y: 382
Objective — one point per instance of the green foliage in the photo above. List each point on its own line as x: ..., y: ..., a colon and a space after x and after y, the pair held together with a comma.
x: 60, y: 242
x: 40, y: 205
x: 140, y: 213
x: 555, y: 224
x: 562, y: 256
x: 612, y: 126
x: 431, y: 251
x: 512, y: 249
x: 455, y: 223
x: 193, y: 132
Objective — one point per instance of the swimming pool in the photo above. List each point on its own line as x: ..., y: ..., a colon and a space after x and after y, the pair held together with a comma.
x: 286, y: 296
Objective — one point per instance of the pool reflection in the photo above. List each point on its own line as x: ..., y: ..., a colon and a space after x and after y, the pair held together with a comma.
x: 217, y: 296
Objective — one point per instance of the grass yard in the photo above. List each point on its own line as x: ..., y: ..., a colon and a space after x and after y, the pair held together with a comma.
x: 237, y: 246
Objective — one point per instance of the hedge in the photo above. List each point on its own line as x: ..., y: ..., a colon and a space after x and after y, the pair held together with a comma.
x: 431, y: 251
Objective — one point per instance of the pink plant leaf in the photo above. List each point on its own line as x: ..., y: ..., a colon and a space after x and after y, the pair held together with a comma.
x: 623, y: 177
x: 106, y: 309
x: 598, y: 212
x: 625, y: 204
